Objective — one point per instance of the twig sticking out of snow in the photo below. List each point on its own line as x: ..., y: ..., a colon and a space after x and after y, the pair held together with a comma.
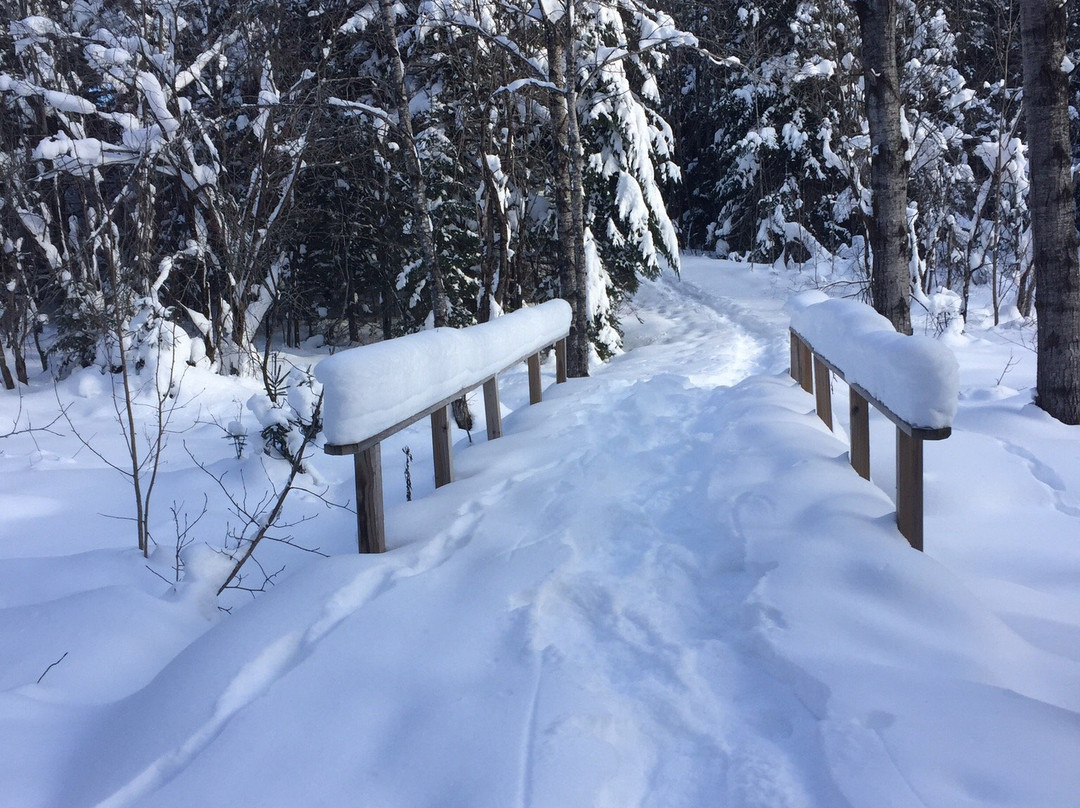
x: 53, y: 665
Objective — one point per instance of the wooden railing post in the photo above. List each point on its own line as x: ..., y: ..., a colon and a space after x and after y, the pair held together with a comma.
x: 442, y: 447
x: 370, y: 530
x: 909, y: 487
x: 801, y: 361
x: 492, y: 412
x: 536, y: 392
x: 806, y: 361
x: 859, y: 426
x: 813, y: 371
x: 823, y: 392
x: 502, y: 347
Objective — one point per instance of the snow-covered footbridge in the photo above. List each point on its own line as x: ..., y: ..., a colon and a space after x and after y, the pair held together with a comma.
x: 665, y: 586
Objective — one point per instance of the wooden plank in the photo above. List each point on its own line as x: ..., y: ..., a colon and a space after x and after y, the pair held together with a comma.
x: 923, y: 432
x: 353, y: 448
x: 492, y: 412
x: 367, y: 454
x: 920, y: 432
x: 859, y: 426
x: 806, y: 362
x: 823, y: 392
x: 793, y: 360
x: 370, y: 523
x: 909, y: 487
x: 442, y: 447
x: 536, y: 392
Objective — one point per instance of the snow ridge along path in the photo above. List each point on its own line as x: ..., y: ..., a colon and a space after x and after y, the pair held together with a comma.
x: 663, y: 587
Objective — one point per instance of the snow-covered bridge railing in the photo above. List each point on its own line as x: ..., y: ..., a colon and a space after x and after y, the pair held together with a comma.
x: 913, y: 381
x: 374, y: 391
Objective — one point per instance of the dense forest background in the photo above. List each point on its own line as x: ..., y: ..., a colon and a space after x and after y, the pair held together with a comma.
x: 213, y: 176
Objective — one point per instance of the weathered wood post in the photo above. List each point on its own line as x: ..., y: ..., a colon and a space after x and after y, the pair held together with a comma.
x: 909, y: 487
x: 823, y: 391
x: 370, y: 531
x: 536, y: 392
x: 442, y: 446
x: 806, y: 362
x: 909, y: 437
x: 360, y: 412
x: 492, y: 411
x: 859, y: 426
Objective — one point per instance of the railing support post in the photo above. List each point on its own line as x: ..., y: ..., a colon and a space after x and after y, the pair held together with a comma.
x: 442, y: 448
x: 859, y: 426
x: 370, y: 524
x: 909, y: 487
x: 812, y: 370
x: 492, y: 413
x: 536, y: 392
x: 823, y: 392
x: 806, y: 361
x: 365, y: 444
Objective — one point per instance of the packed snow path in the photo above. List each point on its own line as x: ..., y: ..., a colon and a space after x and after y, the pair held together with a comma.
x: 663, y: 587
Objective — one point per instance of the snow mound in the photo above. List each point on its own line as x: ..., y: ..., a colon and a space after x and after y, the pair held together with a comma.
x: 371, y: 388
x: 916, y: 377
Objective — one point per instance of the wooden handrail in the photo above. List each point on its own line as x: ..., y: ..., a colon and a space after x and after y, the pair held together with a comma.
x: 353, y: 448
x: 367, y: 453
x: 812, y: 371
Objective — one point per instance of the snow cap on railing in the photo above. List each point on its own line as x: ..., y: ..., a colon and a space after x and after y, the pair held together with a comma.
x: 916, y: 377
x: 374, y: 387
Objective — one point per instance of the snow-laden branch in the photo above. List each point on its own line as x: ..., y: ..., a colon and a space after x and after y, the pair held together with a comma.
x: 362, y: 109
x: 521, y: 84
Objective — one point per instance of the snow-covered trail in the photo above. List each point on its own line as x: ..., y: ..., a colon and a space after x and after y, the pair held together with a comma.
x: 641, y: 596
x: 572, y: 612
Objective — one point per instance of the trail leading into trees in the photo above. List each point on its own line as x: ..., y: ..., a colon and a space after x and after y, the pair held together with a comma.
x: 663, y: 587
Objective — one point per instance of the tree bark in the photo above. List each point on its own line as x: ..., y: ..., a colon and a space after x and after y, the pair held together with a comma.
x: 5, y: 372
x: 425, y: 230
x: 496, y: 256
x: 1054, y: 237
x: 569, y: 190
x: 889, y: 281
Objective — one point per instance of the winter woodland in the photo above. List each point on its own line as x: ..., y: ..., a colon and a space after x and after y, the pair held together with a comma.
x: 662, y: 586
x: 209, y: 177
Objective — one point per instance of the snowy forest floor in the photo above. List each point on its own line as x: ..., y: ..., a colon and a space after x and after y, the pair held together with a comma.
x: 664, y: 586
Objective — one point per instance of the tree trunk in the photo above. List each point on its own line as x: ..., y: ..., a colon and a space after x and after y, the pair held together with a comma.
x: 20, y: 364
x: 569, y: 192
x: 496, y: 230
x: 889, y: 281
x: 421, y: 213
x: 1057, y: 270
x: 5, y: 371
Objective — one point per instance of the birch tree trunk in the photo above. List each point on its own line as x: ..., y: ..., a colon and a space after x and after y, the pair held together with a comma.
x: 889, y: 281
x: 5, y: 372
x: 425, y: 230
x: 1057, y: 270
x: 569, y: 190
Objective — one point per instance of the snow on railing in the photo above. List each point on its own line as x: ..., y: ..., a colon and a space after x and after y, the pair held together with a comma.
x: 913, y: 381
x: 374, y: 391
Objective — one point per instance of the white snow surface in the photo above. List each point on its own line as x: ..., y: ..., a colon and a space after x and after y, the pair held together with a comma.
x: 663, y: 586
x: 373, y: 387
x: 916, y: 377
